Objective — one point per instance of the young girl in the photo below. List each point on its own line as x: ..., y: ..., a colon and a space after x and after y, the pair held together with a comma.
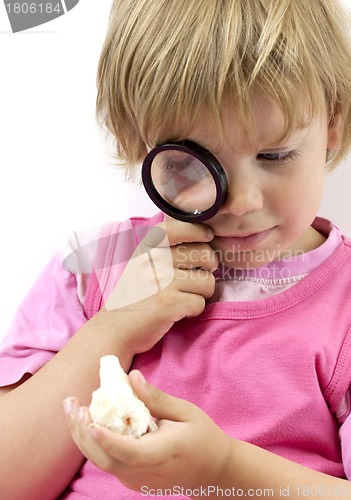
x: 239, y: 322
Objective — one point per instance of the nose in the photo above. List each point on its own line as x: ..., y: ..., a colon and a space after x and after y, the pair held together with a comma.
x: 244, y: 195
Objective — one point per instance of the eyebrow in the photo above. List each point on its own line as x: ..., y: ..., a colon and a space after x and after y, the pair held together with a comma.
x: 287, y: 141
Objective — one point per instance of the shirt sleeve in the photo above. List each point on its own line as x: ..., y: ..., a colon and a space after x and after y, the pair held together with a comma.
x: 48, y: 317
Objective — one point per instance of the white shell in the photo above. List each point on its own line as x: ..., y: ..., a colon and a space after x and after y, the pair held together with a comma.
x: 115, y: 406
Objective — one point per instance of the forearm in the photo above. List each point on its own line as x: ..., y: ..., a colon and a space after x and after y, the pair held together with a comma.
x: 253, y: 472
x: 38, y: 457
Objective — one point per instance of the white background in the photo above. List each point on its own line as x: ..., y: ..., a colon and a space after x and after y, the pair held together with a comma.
x: 56, y: 173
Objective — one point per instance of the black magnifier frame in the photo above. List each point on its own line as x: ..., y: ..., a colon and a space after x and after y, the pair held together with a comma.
x: 207, y: 159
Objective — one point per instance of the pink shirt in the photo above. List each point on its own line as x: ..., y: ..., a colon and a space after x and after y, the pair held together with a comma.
x: 273, y: 371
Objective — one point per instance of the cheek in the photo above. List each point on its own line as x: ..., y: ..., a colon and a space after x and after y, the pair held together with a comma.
x: 303, y: 198
x: 312, y: 182
x: 305, y: 186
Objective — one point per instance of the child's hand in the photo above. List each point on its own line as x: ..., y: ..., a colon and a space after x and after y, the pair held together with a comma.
x: 168, y: 279
x: 188, y: 450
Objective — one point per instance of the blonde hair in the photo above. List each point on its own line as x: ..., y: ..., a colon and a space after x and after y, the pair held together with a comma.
x: 163, y: 61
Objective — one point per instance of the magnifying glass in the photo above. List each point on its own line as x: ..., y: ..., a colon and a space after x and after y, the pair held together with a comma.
x: 185, y: 181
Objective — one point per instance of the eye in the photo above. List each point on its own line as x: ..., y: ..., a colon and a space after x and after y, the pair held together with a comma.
x: 176, y: 165
x: 278, y: 158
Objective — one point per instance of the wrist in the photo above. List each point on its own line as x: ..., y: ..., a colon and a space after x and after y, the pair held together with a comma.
x: 108, y: 337
x: 249, y: 468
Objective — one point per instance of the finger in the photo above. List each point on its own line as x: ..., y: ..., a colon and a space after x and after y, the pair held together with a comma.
x: 147, y: 451
x: 160, y: 404
x: 111, y: 452
x: 181, y: 232
x: 195, y: 281
x: 80, y: 423
x: 75, y: 415
x: 194, y: 255
x: 192, y: 305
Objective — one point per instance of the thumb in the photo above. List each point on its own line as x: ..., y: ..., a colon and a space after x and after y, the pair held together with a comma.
x: 160, y: 404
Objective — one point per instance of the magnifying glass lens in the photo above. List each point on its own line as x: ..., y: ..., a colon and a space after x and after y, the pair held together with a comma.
x: 183, y: 181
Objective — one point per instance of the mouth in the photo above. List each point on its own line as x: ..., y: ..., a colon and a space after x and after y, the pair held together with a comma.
x: 242, y: 242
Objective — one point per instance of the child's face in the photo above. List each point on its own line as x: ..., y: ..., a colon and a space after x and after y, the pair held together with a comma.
x: 274, y: 190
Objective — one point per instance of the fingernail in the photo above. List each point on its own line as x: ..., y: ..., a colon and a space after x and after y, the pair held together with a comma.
x: 142, y: 378
x: 209, y: 234
x: 80, y: 414
x: 68, y: 405
x: 92, y: 431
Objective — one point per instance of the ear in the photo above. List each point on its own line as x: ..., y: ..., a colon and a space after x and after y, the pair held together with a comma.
x: 334, y: 131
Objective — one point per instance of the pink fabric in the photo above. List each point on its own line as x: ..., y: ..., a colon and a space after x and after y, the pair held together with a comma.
x: 270, y: 372
x: 48, y: 317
